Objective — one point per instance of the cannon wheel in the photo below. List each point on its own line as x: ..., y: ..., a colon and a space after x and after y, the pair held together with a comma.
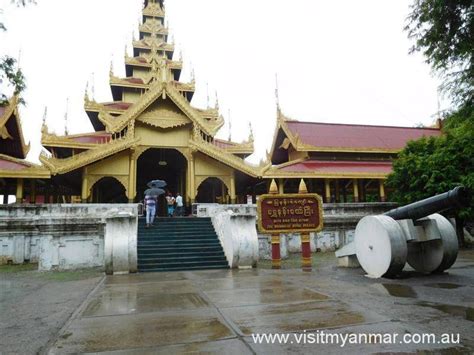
x: 381, y: 246
x: 435, y: 256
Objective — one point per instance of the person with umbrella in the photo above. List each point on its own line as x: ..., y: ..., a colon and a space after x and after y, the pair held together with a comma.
x: 150, y: 204
x: 151, y: 199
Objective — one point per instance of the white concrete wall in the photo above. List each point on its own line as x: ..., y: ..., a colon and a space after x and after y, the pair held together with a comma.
x: 70, y: 236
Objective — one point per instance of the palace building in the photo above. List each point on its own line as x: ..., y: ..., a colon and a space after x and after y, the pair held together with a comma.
x: 152, y: 131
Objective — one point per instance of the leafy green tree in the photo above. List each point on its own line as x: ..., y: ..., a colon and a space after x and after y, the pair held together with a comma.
x: 443, y: 30
x: 431, y: 166
x: 9, y: 70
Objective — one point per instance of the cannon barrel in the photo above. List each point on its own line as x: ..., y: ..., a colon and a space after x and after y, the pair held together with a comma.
x: 456, y: 198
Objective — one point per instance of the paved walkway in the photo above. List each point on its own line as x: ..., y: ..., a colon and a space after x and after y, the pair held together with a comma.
x: 218, y: 311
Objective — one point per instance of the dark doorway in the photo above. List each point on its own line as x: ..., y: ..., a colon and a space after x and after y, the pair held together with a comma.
x: 163, y: 164
x: 212, y: 190
x: 109, y: 190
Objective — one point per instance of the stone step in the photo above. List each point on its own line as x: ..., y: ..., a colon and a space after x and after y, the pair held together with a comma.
x: 151, y: 238
x: 178, y: 242
x: 182, y: 260
x: 177, y: 255
x: 189, y: 264
x: 157, y: 231
x: 189, y: 249
x: 189, y: 268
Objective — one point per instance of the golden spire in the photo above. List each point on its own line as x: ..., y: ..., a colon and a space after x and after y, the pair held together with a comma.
x: 44, y: 127
x: 273, y: 188
x: 230, y: 127
x: 302, y: 188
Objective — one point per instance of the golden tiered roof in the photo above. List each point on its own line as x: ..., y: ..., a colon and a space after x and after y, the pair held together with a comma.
x: 152, y: 77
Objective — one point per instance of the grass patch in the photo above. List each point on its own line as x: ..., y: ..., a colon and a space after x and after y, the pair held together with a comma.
x: 73, y: 275
x: 294, y: 261
x: 18, y: 268
x: 64, y: 276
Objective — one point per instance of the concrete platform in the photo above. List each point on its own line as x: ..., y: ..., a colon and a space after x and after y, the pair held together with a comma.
x: 217, y: 312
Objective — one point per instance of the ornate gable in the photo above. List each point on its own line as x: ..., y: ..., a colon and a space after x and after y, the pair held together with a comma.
x: 164, y: 114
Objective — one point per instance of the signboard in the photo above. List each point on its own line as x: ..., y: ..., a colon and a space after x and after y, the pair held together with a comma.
x: 290, y: 213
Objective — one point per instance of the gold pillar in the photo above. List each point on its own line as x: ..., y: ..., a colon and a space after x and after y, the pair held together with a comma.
x: 327, y: 185
x: 355, y: 184
x: 19, y: 190
x: 33, y: 191
x: 132, y: 179
x: 192, y: 180
x: 383, y: 197
x: 233, y: 197
x: 281, y: 186
x: 85, y: 187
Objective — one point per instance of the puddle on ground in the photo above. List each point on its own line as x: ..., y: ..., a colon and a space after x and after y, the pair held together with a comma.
x: 461, y: 311
x: 398, y: 290
x: 444, y: 285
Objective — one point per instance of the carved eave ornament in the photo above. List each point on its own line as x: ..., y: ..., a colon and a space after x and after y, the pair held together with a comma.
x: 12, y: 109
x: 101, y: 151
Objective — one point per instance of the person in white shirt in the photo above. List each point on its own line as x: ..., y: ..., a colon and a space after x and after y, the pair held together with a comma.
x: 179, y: 205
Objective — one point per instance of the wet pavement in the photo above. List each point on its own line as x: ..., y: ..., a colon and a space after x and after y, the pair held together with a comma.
x: 218, y: 311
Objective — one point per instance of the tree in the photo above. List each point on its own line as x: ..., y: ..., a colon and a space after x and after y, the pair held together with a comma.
x: 8, y: 66
x: 443, y: 30
x: 434, y: 165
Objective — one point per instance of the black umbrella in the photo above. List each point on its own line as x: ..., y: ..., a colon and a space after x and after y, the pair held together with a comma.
x: 157, y: 184
x: 154, y: 191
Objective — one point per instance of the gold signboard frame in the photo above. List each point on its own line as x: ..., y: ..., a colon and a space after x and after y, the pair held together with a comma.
x: 262, y: 198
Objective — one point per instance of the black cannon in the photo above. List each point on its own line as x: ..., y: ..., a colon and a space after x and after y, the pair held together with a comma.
x: 456, y: 198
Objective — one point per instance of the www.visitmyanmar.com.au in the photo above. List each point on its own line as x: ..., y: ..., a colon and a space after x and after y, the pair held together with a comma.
x: 323, y: 338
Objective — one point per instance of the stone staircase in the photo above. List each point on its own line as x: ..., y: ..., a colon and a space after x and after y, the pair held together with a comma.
x: 174, y: 244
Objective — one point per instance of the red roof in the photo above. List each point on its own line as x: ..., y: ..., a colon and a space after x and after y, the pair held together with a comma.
x: 349, y: 136
x: 338, y: 167
x: 92, y: 138
x: 223, y: 144
x: 134, y: 80
x: 9, y: 165
x: 118, y: 105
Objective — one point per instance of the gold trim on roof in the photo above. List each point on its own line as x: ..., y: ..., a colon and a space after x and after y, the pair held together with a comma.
x: 30, y: 171
x: 12, y: 109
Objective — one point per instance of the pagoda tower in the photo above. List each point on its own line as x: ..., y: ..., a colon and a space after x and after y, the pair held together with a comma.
x: 149, y: 131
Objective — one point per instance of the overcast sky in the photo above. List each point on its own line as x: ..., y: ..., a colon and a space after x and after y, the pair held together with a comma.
x: 340, y: 61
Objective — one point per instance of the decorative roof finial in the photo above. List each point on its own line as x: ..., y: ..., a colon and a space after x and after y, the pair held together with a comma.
x: 66, y: 131
x: 45, y: 114
x: 217, y: 102
x: 230, y: 127
x: 207, y: 88
x: 111, y: 70
x: 93, y: 87
x: 251, y: 137
x: 277, y: 93
x: 86, y: 92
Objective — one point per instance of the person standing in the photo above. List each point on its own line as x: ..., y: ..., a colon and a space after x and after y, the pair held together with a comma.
x: 170, y: 201
x: 179, y: 205
x: 150, y: 204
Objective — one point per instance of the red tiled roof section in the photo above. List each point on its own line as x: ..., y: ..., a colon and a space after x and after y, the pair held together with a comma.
x: 118, y: 105
x: 134, y: 80
x: 92, y: 138
x: 337, y: 167
x: 347, y: 136
x: 223, y: 144
x: 10, y: 165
